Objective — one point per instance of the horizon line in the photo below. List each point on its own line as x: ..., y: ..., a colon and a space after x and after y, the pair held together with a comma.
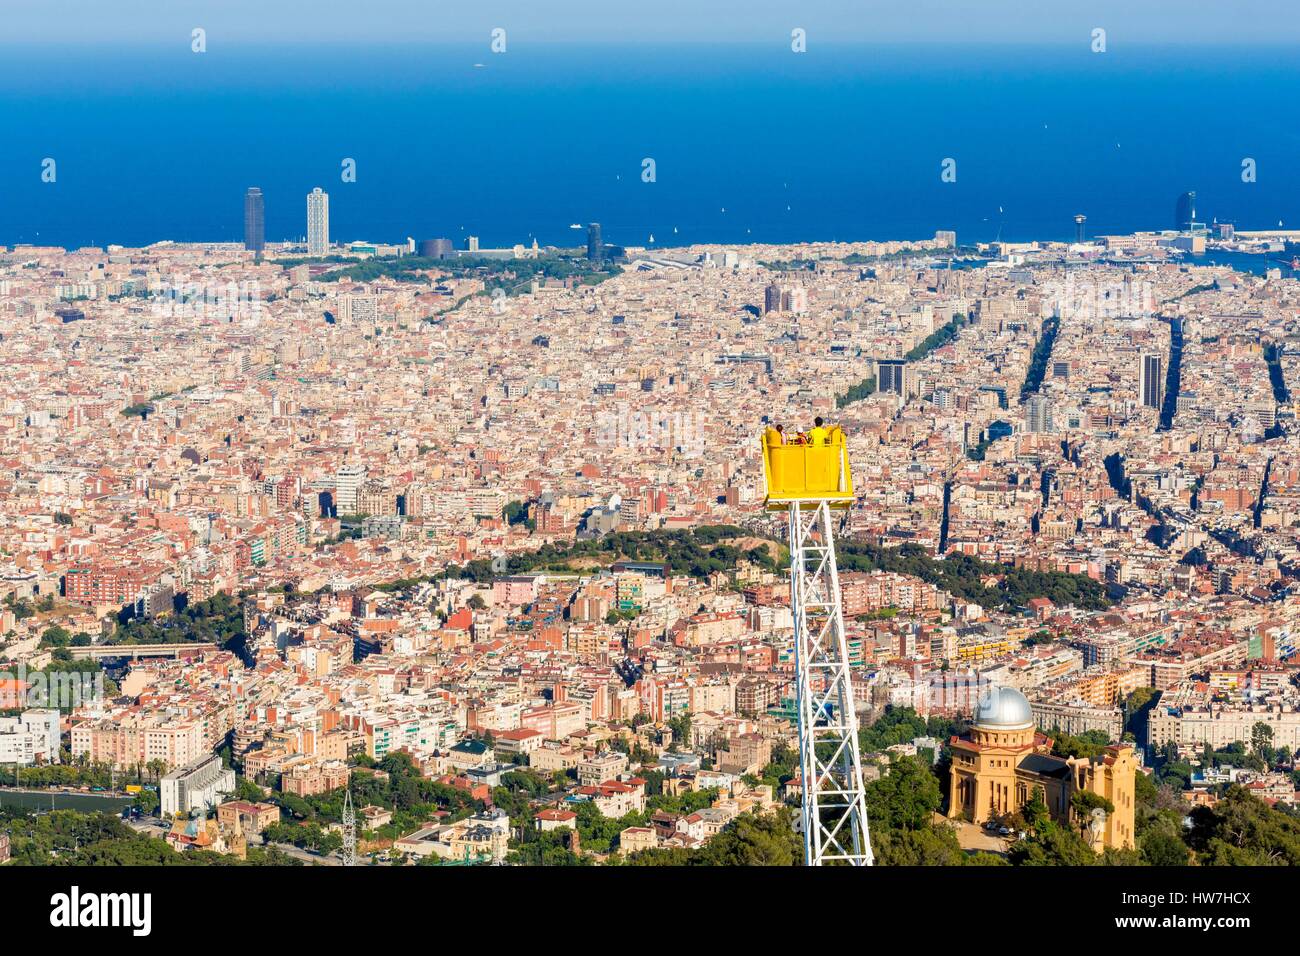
x: 778, y: 40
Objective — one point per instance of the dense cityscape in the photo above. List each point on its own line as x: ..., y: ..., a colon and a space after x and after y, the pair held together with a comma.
x: 431, y: 553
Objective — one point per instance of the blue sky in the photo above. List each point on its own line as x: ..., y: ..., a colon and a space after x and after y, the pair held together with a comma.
x: 663, y: 21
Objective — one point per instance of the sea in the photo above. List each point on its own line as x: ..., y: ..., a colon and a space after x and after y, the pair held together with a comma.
x: 663, y: 145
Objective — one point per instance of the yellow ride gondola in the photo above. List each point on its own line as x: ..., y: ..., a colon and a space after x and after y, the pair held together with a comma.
x: 806, y: 472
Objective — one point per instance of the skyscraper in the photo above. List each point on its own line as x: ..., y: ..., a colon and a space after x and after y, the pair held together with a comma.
x: 595, y: 247
x: 890, y: 376
x: 1038, y: 414
x: 771, y: 298
x: 1079, y: 220
x: 318, y: 222
x: 1151, y: 386
x: 1185, y: 212
x: 254, y: 220
x: 347, y: 486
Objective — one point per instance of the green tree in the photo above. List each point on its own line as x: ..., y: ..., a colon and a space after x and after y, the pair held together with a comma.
x: 1261, y: 738
x: 1083, y: 802
x: 1137, y: 705
x: 905, y: 798
x: 901, y: 808
x: 56, y: 637
x: 1163, y: 848
x: 749, y: 840
x: 1241, y: 830
x: 545, y: 849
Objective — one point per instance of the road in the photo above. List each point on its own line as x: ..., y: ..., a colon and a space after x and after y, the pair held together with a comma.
x: 306, y: 856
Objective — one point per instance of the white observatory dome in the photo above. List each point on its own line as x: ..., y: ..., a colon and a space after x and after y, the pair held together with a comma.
x: 1003, y: 708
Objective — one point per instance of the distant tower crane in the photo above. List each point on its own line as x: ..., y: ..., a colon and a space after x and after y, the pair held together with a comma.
x: 807, y: 481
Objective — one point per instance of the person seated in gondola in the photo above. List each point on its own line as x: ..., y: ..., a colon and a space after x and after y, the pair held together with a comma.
x: 818, y: 435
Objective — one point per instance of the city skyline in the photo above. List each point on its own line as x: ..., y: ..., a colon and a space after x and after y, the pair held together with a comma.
x: 254, y: 234
x: 254, y: 211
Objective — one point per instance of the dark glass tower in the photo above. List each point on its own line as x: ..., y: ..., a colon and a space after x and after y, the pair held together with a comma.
x: 595, y: 247
x: 1152, y: 384
x: 1185, y: 212
x: 889, y: 376
x: 254, y: 220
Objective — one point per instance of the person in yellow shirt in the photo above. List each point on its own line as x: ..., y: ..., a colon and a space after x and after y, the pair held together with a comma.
x: 818, y: 435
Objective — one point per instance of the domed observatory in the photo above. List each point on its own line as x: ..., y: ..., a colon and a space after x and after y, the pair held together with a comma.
x: 1000, y: 764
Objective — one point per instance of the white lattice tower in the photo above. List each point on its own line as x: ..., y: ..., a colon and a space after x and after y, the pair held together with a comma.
x: 834, y: 800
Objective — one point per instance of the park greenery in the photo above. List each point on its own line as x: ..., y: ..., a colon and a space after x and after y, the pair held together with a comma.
x: 789, y: 265
x: 75, y: 838
x: 81, y: 773
x: 766, y: 839
x: 218, y: 620
x: 512, y: 276
x: 599, y: 834
x: 705, y: 550
x: 901, y: 808
x: 901, y: 725
x: 56, y: 636
x: 860, y: 259
x: 516, y: 513
x: 21, y: 607
x: 403, y: 269
x: 781, y: 768
x: 978, y: 582
x: 698, y: 552
x: 1088, y: 745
